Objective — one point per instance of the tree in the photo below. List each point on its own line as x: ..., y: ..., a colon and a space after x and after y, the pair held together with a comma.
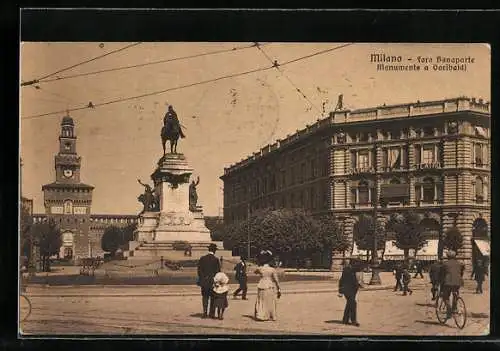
x: 364, y: 234
x: 112, y: 239
x: 333, y: 235
x: 408, y: 232
x: 453, y: 239
x: 25, y: 239
x: 127, y: 234
x: 217, y: 231
x: 291, y: 234
x: 48, y: 237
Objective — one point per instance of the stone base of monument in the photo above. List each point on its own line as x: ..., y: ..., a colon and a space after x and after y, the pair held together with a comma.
x: 167, y: 249
x: 179, y: 221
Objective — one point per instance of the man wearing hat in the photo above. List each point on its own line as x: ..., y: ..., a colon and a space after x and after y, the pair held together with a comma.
x: 452, y: 279
x: 208, y: 267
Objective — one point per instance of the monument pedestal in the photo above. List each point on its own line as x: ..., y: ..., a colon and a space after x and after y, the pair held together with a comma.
x: 158, y: 231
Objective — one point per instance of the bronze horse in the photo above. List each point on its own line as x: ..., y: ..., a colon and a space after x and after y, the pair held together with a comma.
x: 171, y: 131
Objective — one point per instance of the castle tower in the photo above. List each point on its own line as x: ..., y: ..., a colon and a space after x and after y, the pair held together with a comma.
x: 67, y: 200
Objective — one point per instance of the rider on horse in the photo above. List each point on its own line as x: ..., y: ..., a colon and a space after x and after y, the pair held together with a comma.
x: 171, y: 130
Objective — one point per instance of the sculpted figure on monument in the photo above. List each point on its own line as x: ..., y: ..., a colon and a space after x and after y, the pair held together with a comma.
x: 171, y: 130
x: 148, y: 199
x: 193, y: 195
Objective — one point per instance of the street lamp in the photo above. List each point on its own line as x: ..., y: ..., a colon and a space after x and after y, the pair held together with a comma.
x: 248, y: 231
x: 375, y: 278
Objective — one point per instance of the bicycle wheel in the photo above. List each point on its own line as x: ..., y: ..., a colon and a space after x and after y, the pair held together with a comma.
x: 460, y: 315
x: 442, y: 311
x: 24, y: 308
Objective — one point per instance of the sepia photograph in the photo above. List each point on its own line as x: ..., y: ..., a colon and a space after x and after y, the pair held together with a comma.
x: 254, y: 188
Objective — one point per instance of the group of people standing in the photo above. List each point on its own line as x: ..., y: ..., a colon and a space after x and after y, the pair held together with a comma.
x: 214, y: 285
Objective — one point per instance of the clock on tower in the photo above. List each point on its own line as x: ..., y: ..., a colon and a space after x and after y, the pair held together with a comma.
x: 67, y: 161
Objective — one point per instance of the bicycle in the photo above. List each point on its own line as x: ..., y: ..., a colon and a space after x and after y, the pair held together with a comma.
x: 24, y: 302
x: 459, y: 314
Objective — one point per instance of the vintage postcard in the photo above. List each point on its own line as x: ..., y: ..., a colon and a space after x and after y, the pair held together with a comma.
x: 237, y: 188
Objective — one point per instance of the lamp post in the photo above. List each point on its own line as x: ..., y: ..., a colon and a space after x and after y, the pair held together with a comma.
x: 375, y: 278
x: 248, y: 231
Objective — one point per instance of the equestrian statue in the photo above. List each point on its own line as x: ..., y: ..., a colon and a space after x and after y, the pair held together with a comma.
x: 171, y: 130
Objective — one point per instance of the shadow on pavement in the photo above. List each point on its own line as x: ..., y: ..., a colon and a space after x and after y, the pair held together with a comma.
x: 425, y: 304
x: 249, y: 316
x: 433, y: 323
x: 196, y: 315
x: 334, y: 321
x: 478, y: 315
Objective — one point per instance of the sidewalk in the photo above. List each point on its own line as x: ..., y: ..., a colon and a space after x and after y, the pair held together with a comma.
x: 289, y: 287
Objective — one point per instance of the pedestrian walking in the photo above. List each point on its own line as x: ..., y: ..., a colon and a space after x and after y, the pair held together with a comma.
x: 268, y: 288
x: 348, y: 287
x: 419, y: 268
x: 406, y: 277
x: 435, y: 277
x: 208, y: 267
x: 398, y: 274
x: 241, y: 277
x: 478, y: 273
x: 220, y: 291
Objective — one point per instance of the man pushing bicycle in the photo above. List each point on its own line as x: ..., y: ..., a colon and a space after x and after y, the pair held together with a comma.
x: 452, y: 279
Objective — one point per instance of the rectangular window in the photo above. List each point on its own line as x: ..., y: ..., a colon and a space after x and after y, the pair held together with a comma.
x: 394, y: 155
x: 363, y: 195
x: 313, y: 168
x: 363, y: 159
x: 353, y: 196
x: 302, y: 172
x: 417, y: 154
x: 478, y: 155
x: 353, y: 159
x: 385, y: 158
x: 428, y: 154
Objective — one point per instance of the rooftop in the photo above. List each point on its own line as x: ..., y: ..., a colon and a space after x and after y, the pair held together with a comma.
x: 384, y: 112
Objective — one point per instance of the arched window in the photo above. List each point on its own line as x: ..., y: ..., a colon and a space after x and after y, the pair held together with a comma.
x: 479, y: 189
x: 363, y: 193
x: 428, y: 190
x: 68, y: 207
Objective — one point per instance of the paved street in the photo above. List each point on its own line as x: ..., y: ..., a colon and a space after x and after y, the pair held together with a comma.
x: 176, y: 310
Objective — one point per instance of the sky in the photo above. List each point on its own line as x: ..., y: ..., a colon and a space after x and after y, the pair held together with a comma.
x: 225, y: 121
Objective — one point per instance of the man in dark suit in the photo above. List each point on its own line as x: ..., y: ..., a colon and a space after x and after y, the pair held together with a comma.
x: 452, y: 279
x: 434, y: 275
x: 241, y: 277
x: 348, y: 286
x: 478, y: 273
x: 208, y: 267
x: 398, y: 274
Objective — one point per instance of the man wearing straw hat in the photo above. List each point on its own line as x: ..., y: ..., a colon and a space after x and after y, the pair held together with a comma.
x: 208, y: 267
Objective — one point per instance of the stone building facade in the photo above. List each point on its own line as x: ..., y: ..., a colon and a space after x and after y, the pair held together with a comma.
x: 429, y: 157
x: 68, y: 202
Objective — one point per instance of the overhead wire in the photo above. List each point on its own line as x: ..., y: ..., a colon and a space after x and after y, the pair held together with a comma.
x: 148, y: 63
x: 276, y: 65
x: 38, y: 80
x: 234, y: 75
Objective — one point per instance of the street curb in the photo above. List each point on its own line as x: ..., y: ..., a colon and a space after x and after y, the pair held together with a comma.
x: 191, y: 294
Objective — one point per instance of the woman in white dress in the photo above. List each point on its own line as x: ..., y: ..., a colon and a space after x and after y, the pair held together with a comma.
x: 268, y: 289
